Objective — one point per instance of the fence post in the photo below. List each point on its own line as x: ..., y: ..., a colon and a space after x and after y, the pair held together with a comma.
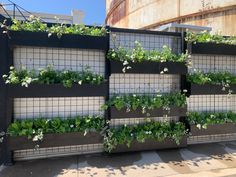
x: 5, y: 102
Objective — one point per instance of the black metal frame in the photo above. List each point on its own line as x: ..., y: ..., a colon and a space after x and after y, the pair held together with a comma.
x: 215, y: 129
x: 57, y: 90
x: 211, y: 48
x: 41, y: 39
x: 150, y: 145
x: 8, y: 92
x: 209, y: 89
x: 55, y: 140
x: 149, y: 67
x: 159, y: 112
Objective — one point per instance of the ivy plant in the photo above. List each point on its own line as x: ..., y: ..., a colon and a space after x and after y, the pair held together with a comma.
x: 139, y: 54
x: 206, y: 37
x: 35, y: 24
x: 36, y: 128
x: 145, y: 102
x: 202, y: 120
x: 50, y: 76
x: 158, y: 131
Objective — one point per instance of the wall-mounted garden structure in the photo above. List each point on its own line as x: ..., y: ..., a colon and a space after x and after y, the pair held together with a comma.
x: 34, y: 50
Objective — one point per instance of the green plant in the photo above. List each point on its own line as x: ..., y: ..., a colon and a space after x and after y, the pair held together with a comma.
x: 225, y: 79
x: 34, y: 24
x: 145, y: 102
x: 158, y: 131
x: 202, y: 120
x: 50, y: 76
x: 36, y: 128
x: 206, y: 37
x: 139, y: 54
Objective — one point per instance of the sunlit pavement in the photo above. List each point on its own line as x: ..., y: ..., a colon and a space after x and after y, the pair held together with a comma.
x: 209, y: 160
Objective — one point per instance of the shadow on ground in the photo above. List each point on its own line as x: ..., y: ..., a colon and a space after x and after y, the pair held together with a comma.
x: 191, y: 160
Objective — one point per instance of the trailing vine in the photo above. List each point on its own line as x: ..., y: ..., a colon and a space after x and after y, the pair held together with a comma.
x: 145, y: 102
x: 36, y: 128
x: 158, y: 131
x: 35, y: 24
x: 202, y: 120
x: 139, y: 54
x: 225, y: 79
x: 206, y: 37
x: 50, y: 76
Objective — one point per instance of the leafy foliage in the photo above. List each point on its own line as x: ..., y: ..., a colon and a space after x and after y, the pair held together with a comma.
x: 35, y: 24
x: 139, y: 54
x: 225, y: 79
x: 158, y: 131
x: 51, y: 76
x: 35, y: 128
x: 202, y: 120
x: 145, y: 102
x: 206, y: 37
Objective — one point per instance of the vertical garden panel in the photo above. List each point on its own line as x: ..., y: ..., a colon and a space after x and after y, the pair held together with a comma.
x: 213, y: 58
x: 143, y: 78
x: 35, y: 51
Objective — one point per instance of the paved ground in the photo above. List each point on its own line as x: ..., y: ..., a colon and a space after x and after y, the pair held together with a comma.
x: 195, y: 161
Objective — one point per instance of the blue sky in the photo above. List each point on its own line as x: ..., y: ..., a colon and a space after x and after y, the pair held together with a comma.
x: 94, y: 9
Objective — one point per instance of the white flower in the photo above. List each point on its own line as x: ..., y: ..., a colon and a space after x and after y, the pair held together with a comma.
x: 71, y: 126
x: 212, y: 116
x: 123, y: 70
x: 165, y: 69
x: 185, y: 91
x: 125, y: 62
x: 161, y: 72
x: 80, y: 82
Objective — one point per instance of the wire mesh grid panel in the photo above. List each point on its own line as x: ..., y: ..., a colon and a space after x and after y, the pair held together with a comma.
x: 59, y: 58
x: 213, y: 63
x: 143, y: 83
x: 148, y: 41
x: 28, y: 108
x: 211, y: 138
x: 57, y: 151
x: 115, y: 123
x: 211, y: 103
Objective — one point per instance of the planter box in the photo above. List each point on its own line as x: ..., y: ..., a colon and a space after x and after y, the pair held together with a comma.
x: 150, y: 145
x: 57, y: 90
x: 212, y: 48
x: 159, y: 112
x: 41, y: 39
x: 215, y: 129
x: 149, y: 67
x: 55, y: 140
x: 208, y: 89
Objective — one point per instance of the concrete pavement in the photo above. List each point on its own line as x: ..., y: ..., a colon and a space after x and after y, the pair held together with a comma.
x: 209, y: 160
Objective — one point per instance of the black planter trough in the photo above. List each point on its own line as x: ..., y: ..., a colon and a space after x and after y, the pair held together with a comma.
x: 212, y: 48
x: 55, y: 140
x: 150, y: 145
x: 158, y: 112
x: 209, y: 89
x: 149, y: 67
x: 215, y: 129
x: 56, y: 90
x: 41, y: 39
